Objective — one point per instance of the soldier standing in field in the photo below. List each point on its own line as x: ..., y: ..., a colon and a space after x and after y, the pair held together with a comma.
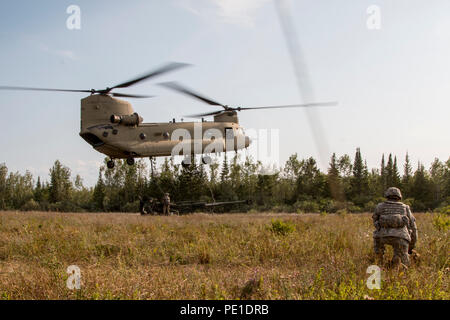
x: 166, y: 204
x: 396, y: 226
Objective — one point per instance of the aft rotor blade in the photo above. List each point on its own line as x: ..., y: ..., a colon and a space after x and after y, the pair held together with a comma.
x: 200, y: 115
x: 177, y: 87
x: 40, y: 89
x: 167, y: 68
x: 304, y: 105
x: 125, y: 95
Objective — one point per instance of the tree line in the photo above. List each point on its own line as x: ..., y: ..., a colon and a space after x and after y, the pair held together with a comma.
x: 299, y: 186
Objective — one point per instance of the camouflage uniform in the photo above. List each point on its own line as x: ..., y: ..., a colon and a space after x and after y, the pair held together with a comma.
x: 394, y: 225
x: 166, y: 204
x: 146, y: 205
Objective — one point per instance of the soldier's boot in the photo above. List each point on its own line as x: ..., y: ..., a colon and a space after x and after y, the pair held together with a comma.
x: 415, y: 256
x: 398, y: 265
x: 400, y: 259
x: 405, y: 259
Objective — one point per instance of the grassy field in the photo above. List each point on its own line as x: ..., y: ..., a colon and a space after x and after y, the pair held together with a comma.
x: 238, y: 256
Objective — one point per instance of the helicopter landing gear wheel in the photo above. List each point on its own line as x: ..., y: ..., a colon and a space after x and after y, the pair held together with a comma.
x: 110, y: 164
x: 206, y: 160
x: 185, y: 163
x: 130, y: 161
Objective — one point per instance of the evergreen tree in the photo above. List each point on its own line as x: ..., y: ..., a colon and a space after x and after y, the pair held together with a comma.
x: 383, y: 176
x: 389, y: 171
x: 334, y: 180
x: 396, y: 175
x: 345, y: 171
x: 225, y: 169
x: 38, y: 192
x: 98, y: 195
x: 359, y: 181
x: 407, y: 177
x: 421, y: 190
x: 60, y: 184
x: 447, y: 180
x: 190, y: 187
x: 292, y: 167
x: 168, y: 178
x: 311, y: 184
x: 437, y: 175
x: 235, y: 173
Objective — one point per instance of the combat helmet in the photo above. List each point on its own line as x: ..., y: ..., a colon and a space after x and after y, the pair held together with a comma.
x: 393, y: 192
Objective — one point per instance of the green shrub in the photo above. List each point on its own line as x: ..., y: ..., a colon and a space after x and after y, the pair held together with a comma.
x: 307, y: 206
x: 370, y: 206
x: 64, y: 206
x: 31, y: 205
x: 282, y: 228
x: 354, y: 208
x: 342, y: 212
x: 441, y: 222
x: 444, y: 210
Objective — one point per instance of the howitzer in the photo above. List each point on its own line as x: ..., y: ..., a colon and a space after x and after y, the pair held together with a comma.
x: 184, y: 207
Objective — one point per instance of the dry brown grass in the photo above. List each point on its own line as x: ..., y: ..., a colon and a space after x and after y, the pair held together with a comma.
x: 238, y: 256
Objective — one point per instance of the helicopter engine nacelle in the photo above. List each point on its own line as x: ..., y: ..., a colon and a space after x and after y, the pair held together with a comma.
x: 127, y: 120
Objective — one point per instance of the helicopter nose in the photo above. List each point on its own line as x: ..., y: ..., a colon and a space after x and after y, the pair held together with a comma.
x: 247, y: 141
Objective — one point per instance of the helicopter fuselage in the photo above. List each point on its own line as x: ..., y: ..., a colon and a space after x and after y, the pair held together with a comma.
x: 112, y: 128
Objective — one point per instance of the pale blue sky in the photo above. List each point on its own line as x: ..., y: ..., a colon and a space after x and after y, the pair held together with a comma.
x: 392, y: 84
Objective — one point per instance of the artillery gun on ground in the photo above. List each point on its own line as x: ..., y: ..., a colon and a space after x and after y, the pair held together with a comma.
x: 155, y: 207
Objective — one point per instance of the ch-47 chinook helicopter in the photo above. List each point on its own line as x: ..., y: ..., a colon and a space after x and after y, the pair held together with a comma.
x: 112, y: 127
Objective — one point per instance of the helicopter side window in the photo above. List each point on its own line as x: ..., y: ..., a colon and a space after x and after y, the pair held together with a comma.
x: 229, y: 133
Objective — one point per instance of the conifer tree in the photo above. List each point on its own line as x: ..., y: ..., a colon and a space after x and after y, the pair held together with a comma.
x: 395, y: 175
x: 98, y: 195
x: 225, y: 169
x: 60, y: 184
x: 407, y: 177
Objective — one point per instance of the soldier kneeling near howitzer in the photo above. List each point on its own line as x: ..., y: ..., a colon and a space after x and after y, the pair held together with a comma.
x: 146, y: 205
x: 396, y: 226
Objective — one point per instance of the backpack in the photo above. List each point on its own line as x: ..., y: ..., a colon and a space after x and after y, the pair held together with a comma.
x: 393, y: 221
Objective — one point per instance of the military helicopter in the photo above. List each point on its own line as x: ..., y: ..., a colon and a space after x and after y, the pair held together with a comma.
x: 112, y: 127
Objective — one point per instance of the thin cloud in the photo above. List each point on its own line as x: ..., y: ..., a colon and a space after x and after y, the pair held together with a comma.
x: 238, y: 12
x: 67, y: 54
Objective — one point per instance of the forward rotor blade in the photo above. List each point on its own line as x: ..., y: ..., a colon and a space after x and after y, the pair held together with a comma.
x: 304, y: 105
x: 125, y: 95
x: 177, y: 87
x: 167, y: 68
x: 40, y: 89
